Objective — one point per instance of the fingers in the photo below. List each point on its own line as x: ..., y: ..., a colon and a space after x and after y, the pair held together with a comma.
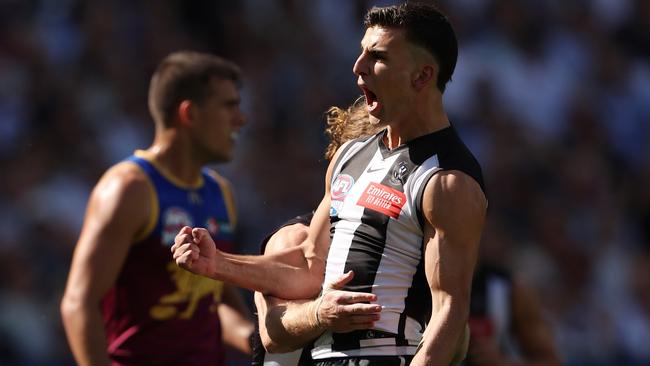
x: 343, y: 303
x: 199, y: 234
x: 183, y: 236
x: 186, y: 253
x: 347, y: 318
x: 349, y: 297
x: 340, y: 282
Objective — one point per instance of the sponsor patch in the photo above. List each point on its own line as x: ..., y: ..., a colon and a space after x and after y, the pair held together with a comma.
x: 381, y: 198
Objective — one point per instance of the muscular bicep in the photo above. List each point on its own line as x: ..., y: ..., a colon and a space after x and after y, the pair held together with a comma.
x: 118, y: 210
x: 454, y: 207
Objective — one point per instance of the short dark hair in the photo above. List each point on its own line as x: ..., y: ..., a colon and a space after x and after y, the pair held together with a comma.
x: 186, y: 75
x: 425, y: 26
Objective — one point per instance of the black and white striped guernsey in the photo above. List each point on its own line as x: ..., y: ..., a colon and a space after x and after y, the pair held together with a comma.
x: 377, y: 231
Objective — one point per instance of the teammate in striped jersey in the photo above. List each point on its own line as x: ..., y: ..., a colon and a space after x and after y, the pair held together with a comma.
x: 284, y: 326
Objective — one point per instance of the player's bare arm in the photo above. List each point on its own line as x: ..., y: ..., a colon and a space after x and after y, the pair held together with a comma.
x: 118, y: 210
x: 288, y: 325
x: 235, y: 320
x: 454, y: 209
x: 269, y: 274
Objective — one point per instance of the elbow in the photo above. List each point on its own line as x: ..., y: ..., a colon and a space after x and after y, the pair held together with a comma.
x: 270, y: 346
x: 274, y: 347
x: 68, y: 308
x: 71, y: 307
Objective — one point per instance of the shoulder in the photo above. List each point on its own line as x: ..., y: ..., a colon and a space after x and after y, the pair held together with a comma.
x: 124, y: 184
x: 121, y: 202
x: 125, y: 178
x: 351, y: 147
x: 454, y: 184
x: 451, y: 194
x: 342, y: 149
x: 335, y: 160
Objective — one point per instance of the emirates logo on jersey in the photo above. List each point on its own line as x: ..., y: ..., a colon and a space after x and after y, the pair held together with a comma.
x: 341, y: 186
x: 384, y: 199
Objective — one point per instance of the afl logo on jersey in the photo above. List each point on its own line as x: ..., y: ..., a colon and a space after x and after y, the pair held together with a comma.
x: 173, y: 221
x: 341, y: 186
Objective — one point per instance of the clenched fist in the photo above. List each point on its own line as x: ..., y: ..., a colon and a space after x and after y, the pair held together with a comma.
x: 195, y: 251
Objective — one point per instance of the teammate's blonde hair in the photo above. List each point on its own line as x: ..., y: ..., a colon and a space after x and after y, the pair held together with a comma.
x: 346, y: 124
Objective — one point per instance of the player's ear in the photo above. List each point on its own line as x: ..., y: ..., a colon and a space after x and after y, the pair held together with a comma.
x: 425, y: 77
x: 186, y: 112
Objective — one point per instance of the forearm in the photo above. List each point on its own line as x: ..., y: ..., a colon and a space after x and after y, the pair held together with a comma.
x: 236, y: 323
x: 442, y: 337
x: 85, y: 331
x: 270, y: 275
x: 286, y: 326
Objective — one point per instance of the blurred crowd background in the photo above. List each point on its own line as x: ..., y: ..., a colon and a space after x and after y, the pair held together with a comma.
x: 552, y: 96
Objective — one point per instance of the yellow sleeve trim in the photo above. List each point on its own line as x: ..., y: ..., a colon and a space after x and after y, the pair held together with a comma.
x: 228, y: 196
x: 153, y: 206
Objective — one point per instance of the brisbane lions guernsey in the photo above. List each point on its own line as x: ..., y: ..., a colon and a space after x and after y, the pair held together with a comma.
x: 157, y: 313
x: 377, y: 231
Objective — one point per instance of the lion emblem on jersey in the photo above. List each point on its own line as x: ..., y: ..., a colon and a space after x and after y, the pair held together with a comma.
x: 190, y: 289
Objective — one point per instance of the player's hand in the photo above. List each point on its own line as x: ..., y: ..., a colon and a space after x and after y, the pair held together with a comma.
x: 195, y: 251
x: 344, y: 311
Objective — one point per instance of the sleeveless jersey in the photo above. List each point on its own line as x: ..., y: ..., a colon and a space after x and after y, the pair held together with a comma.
x: 156, y: 312
x: 377, y: 231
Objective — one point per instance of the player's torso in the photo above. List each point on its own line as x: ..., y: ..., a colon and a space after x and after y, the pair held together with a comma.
x: 377, y: 231
x: 154, y: 302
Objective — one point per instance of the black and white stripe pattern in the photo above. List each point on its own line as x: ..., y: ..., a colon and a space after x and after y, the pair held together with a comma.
x: 377, y: 232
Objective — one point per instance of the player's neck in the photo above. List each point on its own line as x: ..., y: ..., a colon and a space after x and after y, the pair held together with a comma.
x: 428, y: 118
x: 170, y: 153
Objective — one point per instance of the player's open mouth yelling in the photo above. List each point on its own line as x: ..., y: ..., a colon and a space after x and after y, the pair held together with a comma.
x: 371, y: 99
